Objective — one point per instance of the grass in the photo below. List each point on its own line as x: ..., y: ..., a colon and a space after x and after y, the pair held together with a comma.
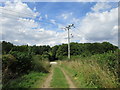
x: 40, y: 65
x: 31, y: 80
x: 88, y: 74
x: 58, y: 80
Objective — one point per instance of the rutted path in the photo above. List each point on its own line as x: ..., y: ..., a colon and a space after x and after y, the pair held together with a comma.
x: 71, y: 84
x: 47, y: 82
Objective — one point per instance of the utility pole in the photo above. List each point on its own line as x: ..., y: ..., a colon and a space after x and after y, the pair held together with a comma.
x: 68, y: 29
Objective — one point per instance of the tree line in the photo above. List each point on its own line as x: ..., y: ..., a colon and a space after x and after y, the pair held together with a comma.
x: 60, y: 51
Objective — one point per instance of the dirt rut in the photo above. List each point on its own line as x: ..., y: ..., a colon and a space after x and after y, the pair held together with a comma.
x: 46, y: 84
x: 71, y: 84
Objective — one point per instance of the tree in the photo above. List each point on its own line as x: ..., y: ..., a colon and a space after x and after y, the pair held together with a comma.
x: 76, y: 49
x: 24, y: 62
x: 6, y: 47
x: 108, y: 47
x: 54, y: 52
x: 62, y: 51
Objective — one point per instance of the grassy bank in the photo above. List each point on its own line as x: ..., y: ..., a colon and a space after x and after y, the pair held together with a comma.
x: 22, y: 71
x: 58, y: 80
x: 31, y: 80
x: 88, y: 73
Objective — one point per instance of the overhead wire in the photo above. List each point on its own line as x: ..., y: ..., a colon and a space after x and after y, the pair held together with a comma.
x: 15, y: 12
x: 11, y: 15
x: 26, y: 17
x: 42, y: 21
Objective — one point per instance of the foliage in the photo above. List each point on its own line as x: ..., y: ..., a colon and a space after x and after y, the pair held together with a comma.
x: 39, y: 64
x: 22, y: 48
x: 24, y: 61
x: 20, y: 63
x: 62, y: 51
x: 59, y: 51
x: 109, y: 60
x: 54, y: 52
x: 20, y: 60
x: 95, y: 71
x: 40, y: 49
x: 8, y: 62
x: 6, y: 47
x: 88, y: 74
x: 30, y: 80
x: 85, y: 49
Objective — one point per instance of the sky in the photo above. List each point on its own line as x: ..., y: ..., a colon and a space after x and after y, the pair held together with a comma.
x: 41, y: 23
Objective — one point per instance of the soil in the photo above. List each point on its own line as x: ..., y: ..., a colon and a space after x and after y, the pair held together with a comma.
x: 71, y: 84
x: 47, y: 82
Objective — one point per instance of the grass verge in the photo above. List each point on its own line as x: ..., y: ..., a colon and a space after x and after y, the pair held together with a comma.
x: 58, y: 80
x: 31, y: 80
x: 89, y: 74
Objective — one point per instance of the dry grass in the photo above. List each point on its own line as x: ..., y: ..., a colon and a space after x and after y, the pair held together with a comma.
x: 89, y: 74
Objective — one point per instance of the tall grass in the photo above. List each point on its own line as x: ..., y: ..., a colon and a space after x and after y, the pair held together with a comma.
x: 40, y: 65
x: 94, y: 71
x: 90, y: 75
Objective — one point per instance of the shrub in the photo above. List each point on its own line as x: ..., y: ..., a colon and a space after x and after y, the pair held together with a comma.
x: 8, y: 62
x: 107, y: 60
x: 24, y: 62
x: 39, y: 64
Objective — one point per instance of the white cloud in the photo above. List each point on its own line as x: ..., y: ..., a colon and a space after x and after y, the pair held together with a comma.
x: 100, y: 26
x: 46, y: 16
x: 95, y: 26
x: 34, y: 9
x: 18, y: 9
x: 101, y: 6
x: 53, y: 21
x: 19, y: 30
x: 66, y: 15
x: 40, y: 18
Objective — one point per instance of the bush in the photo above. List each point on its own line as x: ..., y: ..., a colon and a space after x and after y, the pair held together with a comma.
x: 39, y: 64
x: 29, y: 80
x: 24, y: 62
x: 109, y: 60
x: 8, y: 62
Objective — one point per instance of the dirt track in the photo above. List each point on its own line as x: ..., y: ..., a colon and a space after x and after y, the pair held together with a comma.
x: 47, y: 82
x: 71, y: 84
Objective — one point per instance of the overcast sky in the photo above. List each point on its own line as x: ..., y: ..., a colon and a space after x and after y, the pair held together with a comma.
x: 40, y: 23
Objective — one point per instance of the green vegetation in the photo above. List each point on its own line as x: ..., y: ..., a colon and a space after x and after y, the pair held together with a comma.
x: 93, y: 65
x: 60, y: 51
x: 20, y: 61
x: 40, y: 65
x: 82, y: 49
x: 58, y: 80
x: 97, y: 71
x: 31, y: 80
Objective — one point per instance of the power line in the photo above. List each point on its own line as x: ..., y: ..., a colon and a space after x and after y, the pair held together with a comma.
x: 21, y: 13
x: 18, y: 17
x: 10, y: 15
x: 45, y: 22
x: 15, y: 12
